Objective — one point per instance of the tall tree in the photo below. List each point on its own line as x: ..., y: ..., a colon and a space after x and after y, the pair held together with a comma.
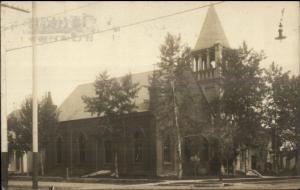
x: 20, y: 125
x: 238, y: 109
x: 244, y: 88
x: 174, y: 95
x: 18, y: 135
x: 282, y: 110
x: 113, y: 99
x: 294, y: 102
x: 275, y: 79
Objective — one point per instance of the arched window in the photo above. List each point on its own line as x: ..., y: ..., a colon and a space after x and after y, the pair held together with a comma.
x: 59, y: 150
x: 138, y: 147
x: 82, y: 148
x: 108, y: 151
x: 167, y: 150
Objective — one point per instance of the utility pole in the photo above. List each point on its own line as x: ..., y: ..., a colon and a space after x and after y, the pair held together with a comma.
x: 4, y: 143
x: 35, y: 160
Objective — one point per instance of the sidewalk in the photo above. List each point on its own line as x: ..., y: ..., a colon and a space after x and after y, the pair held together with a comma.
x: 167, y: 185
x: 146, y: 180
x: 162, y: 184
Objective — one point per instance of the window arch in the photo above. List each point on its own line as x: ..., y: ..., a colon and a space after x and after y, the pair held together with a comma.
x: 167, y: 150
x: 138, y: 147
x: 59, y: 150
x: 82, y: 148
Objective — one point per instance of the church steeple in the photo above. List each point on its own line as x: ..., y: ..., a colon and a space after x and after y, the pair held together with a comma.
x: 207, y: 54
x: 211, y: 32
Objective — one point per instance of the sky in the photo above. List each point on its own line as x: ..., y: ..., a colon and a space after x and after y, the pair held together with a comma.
x: 64, y: 65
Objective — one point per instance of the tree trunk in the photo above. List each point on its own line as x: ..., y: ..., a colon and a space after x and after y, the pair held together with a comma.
x: 116, y: 165
x: 124, y: 168
x: 220, y: 170
x: 245, y: 160
x: 179, y: 150
x: 297, y: 152
x: 233, y: 168
x: 227, y: 167
x: 42, y: 163
x: 178, y: 135
x: 22, y: 165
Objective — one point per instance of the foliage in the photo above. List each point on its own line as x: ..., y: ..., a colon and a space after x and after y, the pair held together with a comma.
x: 174, y: 68
x: 238, y: 109
x: 18, y: 135
x: 244, y: 88
x: 175, y: 97
x: 113, y: 97
x: 282, y: 107
x: 20, y: 124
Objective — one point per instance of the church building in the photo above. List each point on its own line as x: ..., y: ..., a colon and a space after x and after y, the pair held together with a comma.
x: 81, y: 145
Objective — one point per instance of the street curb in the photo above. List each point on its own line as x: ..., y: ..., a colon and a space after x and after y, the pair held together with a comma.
x: 135, y: 181
x: 238, y: 180
x: 195, y: 186
x: 85, y: 180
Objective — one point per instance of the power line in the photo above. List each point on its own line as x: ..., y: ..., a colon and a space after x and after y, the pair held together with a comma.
x: 56, y: 14
x: 14, y: 7
x: 117, y: 28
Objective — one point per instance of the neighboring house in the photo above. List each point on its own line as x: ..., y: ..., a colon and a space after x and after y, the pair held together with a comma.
x: 286, y: 157
x: 288, y: 160
x: 263, y: 158
x: 81, y: 146
x: 21, y: 163
x: 18, y: 163
x: 251, y: 158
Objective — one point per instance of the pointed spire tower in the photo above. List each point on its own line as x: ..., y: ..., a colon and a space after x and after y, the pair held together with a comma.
x: 207, y: 54
x: 212, y: 32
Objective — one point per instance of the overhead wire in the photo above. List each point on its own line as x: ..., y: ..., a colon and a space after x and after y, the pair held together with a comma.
x: 117, y: 28
x: 53, y: 15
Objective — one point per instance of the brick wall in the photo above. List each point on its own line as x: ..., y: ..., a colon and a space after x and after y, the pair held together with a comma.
x: 95, y: 136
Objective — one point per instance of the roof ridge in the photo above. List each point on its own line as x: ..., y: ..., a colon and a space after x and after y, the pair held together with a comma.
x: 88, y: 83
x: 73, y: 107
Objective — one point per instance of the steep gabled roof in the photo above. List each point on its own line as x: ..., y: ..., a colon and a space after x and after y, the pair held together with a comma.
x: 211, y: 32
x: 74, y: 108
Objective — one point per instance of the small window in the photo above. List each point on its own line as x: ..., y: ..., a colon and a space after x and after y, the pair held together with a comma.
x: 82, y: 148
x: 59, y: 150
x: 108, y: 151
x: 167, y: 150
x: 138, y: 147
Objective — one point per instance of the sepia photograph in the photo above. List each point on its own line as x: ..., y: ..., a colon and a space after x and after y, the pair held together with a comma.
x: 140, y: 95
